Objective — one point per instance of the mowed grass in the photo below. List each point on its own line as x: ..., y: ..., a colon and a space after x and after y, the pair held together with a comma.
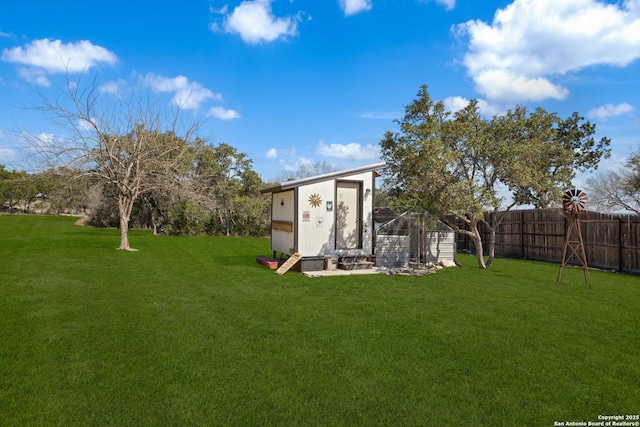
x: 192, y: 331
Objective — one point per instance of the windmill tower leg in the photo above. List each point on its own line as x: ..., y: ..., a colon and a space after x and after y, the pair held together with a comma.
x: 574, y: 249
x: 582, y: 256
x: 563, y: 261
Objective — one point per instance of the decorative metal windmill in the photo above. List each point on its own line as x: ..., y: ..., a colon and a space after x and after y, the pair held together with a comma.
x: 574, y: 202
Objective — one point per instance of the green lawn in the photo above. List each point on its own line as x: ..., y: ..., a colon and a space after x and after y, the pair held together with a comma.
x: 192, y: 331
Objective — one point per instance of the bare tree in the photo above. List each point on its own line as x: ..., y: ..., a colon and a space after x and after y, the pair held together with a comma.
x: 313, y: 169
x: 617, y: 190
x: 306, y: 170
x: 133, y: 144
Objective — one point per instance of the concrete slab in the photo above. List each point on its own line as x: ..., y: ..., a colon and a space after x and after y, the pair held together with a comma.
x: 338, y: 272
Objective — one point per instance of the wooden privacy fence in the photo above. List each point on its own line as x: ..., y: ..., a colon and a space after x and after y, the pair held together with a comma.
x: 612, y: 241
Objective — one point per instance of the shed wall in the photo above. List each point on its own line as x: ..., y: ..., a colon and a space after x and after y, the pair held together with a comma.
x: 392, y: 251
x: 283, y: 214
x: 440, y: 246
x: 315, y: 223
x: 316, y: 232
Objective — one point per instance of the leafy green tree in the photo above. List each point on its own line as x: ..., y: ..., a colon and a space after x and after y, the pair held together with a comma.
x: 62, y: 194
x: 4, y: 173
x: 223, y: 182
x: 153, y: 210
x: 459, y: 165
x: 5, y: 188
x: 188, y: 219
x: 17, y: 189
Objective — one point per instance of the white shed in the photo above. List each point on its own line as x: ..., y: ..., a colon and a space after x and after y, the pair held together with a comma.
x: 325, y: 217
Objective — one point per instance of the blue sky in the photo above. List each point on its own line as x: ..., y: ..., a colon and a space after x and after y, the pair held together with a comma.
x: 295, y: 81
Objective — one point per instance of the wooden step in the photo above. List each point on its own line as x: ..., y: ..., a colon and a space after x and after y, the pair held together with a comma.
x: 293, y: 259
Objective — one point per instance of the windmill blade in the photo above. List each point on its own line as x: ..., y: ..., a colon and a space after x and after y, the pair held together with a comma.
x: 575, y: 200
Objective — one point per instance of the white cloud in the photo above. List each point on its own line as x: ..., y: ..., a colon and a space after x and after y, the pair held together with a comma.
x: 52, y: 56
x: 255, y: 22
x: 35, y: 75
x: 280, y: 152
x: 502, y: 85
x: 352, y: 7
x: 272, y: 153
x: 457, y: 103
x: 530, y: 42
x: 7, y: 154
x: 294, y: 166
x: 448, y: 4
x: 86, y: 126
x: 40, y: 143
x: 46, y: 138
x: 113, y: 86
x: 187, y: 94
x: 223, y: 113
x: 609, y: 110
x: 222, y: 11
x: 352, y: 151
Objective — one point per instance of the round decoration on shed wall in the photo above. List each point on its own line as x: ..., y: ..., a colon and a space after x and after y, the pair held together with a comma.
x: 315, y: 200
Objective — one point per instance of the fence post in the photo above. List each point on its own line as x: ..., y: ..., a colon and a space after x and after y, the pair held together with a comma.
x: 620, y: 245
x: 522, y: 235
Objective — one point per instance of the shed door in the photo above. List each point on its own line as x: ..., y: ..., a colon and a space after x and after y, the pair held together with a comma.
x: 348, y: 215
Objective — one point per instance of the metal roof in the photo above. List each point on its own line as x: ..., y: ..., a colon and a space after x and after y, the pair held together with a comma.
x: 287, y: 185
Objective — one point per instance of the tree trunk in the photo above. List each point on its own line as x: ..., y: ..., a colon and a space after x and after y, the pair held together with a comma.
x: 477, y: 242
x: 125, y: 206
x: 492, y: 247
x: 495, y: 219
x: 124, y: 233
x: 154, y: 224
